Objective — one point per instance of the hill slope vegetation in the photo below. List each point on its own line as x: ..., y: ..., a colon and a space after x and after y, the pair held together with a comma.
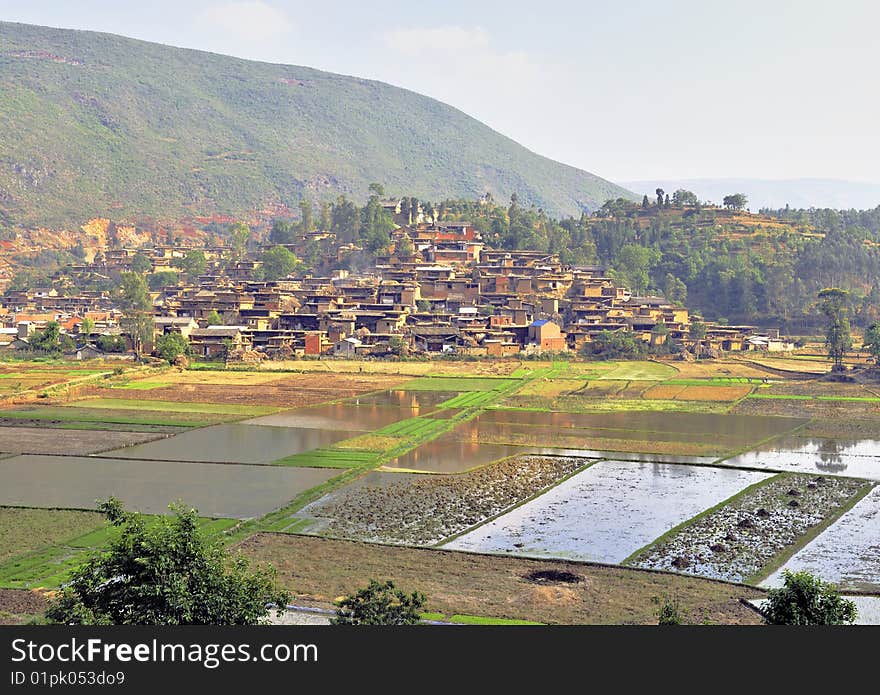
x: 101, y: 124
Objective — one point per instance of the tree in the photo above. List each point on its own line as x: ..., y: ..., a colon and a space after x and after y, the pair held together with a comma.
x: 162, y: 279
x: 141, y: 263
x: 171, y: 345
x: 214, y: 319
x: 633, y: 265
x: 645, y: 203
x: 736, y: 201
x: 607, y: 345
x: 669, y: 611
x: 239, y: 235
x: 51, y: 339
x: 164, y: 572
x: 306, y: 223
x: 807, y: 600
x: 133, y: 299
x: 871, y: 341
x: 278, y: 263
x: 833, y: 303
x: 683, y: 198
x: 660, y: 193
x: 697, y: 332
x: 194, y: 263
x: 86, y: 327
x: 282, y: 232
x: 379, y: 604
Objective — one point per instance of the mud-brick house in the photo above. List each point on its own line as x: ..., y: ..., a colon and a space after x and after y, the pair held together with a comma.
x: 435, y: 338
x: 214, y: 341
x: 546, y: 335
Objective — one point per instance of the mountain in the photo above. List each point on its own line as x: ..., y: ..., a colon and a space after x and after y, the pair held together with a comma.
x: 101, y: 124
x: 763, y: 193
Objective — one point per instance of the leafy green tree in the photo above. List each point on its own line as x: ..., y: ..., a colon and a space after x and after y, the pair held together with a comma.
x: 344, y: 220
x: 111, y: 343
x: 871, y: 341
x: 326, y: 217
x: 239, y: 235
x: 214, y: 318
x: 645, y: 203
x: 608, y: 345
x: 806, y: 600
x: 162, y: 279
x: 697, y: 332
x: 674, y: 290
x: 51, y: 339
x: 86, y: 327
x: 379, y: 604
x: 633, y: 266
x: 133, y: 299
x: 669, y: 611
x: 141, y: 263
x: 684, y: 198
x: 171, y: 345
x: 278, y: 263
x: 833, y: 303
x: 164, y: 572
x: 736, y: 201
x: 307, y: 222
x: 660, y: 193
x: 193, y: 264
x: 282, y: 232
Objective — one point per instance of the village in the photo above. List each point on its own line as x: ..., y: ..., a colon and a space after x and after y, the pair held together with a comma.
x: 438, y: 290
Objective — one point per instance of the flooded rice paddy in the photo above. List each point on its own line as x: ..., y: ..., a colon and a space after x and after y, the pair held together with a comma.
x: 607, y: 512
x: 75, y: 482
x: 854, y: 457
x: 847, y: 553
x: 235, y: 443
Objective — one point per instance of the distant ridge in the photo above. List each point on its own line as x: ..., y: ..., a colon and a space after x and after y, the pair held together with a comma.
x: 766, y: 193
x: 98, y: 124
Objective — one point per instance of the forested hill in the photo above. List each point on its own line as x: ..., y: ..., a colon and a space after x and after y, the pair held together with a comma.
x: 727, y: 264
x: 96, y: 124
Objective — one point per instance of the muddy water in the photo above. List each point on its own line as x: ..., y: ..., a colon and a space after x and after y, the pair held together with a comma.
x: 423, y: 401
x: 608, y: 511
x: 235, y: 443
x: 743, y: 428
x: 445, y: 455
x: 847, y: 553
x: 363, y: 418
x: 855, y: 458
x: 231, y: 491
x: 542, y: 432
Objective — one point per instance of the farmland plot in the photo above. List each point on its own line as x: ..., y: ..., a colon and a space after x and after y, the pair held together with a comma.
x: 235, y: 443
x: 606, y: 512
x: 227, y: 491
x: 856, y: 458
x: 45, y: 440
x: 847, y: 553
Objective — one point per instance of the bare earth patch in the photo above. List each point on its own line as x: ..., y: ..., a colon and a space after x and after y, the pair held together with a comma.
x: 17, y: 606
x: 467, y: 583
x: 41, y: 440
x: 288, y: 390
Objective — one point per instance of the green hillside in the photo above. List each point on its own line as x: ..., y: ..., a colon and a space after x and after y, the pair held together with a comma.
x: 100, y: 124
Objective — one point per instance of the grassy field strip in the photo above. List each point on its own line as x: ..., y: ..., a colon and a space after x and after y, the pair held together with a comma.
x: 177, y: 407
x: 76, y: 415
x: 456, y: 383
x: 687, y: 522
x: 784, y: 556
x: 474, y: 619
x: 794, y: 397
x: 52, y: 565
x: 329, y: 458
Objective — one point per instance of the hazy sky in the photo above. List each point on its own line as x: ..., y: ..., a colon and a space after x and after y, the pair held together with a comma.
x: 623, y: 88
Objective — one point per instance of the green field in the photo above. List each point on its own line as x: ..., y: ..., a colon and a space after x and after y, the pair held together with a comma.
x: 94, y: 418
x: 26, y: 530
x: 177, y: 407
x: 329, y: 458
x: 50, y: 564
x: 639, y: 371
x: 457, y: 383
